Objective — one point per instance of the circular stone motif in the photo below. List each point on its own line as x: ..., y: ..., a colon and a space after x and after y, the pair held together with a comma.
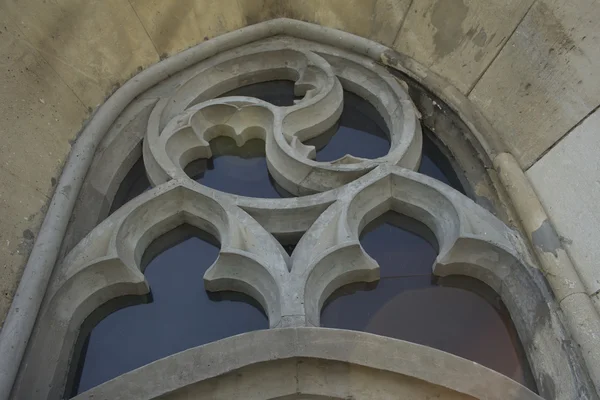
x: 181, y: 126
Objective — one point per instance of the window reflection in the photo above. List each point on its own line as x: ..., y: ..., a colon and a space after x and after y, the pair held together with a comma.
x: 179, y: 315
x: 237, y: 170
x: 360, y: 131
x: 408, y: 302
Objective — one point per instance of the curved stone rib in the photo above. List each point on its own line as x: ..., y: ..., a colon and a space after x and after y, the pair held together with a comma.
x: 170, y: 144
x: 240, y: 272
x: 187, y: 137
x: 472, y: 242
x: 61, y: 318
x: 107, y: 264
x: 466, y: 234
x: 317, y: 356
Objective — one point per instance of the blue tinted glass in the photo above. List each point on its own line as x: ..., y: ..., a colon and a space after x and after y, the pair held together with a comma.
x: 279, y: 93
x: 409, y: 304
x: 360, y: 131
x: 180, y: 315
x: 243, y: 170
x: 238, y: 170
x: 436, y: 165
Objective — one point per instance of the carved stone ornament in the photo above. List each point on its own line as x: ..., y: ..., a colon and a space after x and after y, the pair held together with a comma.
x: 177, y: 119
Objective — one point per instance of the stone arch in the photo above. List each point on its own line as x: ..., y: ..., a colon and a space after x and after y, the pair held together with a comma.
x: 459, y: 231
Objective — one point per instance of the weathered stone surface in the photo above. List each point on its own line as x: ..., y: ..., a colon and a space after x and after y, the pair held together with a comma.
x: 567, y: 180
x: 92, y: 45
x: 323, y: 363
x: 458, y: 39
x: 545, y: 78
x: 476, y: 244
x: 39, y: 114
x: 21, y: 213
x: 378, y: 20
x: 175, y: 25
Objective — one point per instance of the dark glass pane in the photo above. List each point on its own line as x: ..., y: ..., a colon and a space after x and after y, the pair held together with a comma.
x: 238, y: 170
x: 409, y: 304
x: 180, y: 315
x: 361, y: 132
x: 135, y: 183
x: 435, y: 164
x: 279, y: 93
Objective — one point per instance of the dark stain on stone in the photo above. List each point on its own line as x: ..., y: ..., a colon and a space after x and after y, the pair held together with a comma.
x: 542, y: 315
x: 485, y: 203
x: 479, y: 55
x: 480, y: 39
x: 527, y: 86
x: 546, y: 386
x: 556, y: 32
x: 447, y: 18
x: 26, y: 245
x: 28, y: 234
x: 565, y: 241
x: 546, y: 239
x: 66, y: 190
x: 53, y: 181
x: 471, y: 32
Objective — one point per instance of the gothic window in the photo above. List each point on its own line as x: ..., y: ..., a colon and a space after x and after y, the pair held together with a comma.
x: 286, y: 183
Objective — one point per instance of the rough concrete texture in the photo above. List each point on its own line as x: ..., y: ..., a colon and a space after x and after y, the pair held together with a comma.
x: 309, y: 363
x: 545, y: 79
x: 459, y: 38
x: 567, y: 180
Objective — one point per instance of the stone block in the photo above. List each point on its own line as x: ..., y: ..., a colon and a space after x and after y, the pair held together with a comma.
x: 175, y: 25
x: 92, y: 45
x: 545, y: 79
x: 458, y: 39
x: 378, y: 20
x: 567, y: 181
x: 39, y: 113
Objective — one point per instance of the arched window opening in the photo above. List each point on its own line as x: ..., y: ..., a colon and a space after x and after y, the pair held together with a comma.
x: 360, y: 131
x: 435, y: 163
x: 410, y: 303
x: 278, y: 92
x: 178, y: 314
x: 135, y: 183
x: 237, y: 170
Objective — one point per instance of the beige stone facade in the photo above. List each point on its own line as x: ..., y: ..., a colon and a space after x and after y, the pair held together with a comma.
x: 526, y: 70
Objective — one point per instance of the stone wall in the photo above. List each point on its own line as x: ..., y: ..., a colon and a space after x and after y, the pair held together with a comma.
x: 529, y: 66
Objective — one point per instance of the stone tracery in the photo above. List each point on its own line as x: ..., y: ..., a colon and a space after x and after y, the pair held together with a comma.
x: 340, y: 197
